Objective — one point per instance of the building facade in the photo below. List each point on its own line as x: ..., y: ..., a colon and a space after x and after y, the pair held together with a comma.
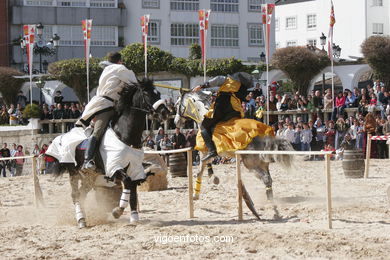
x: 63, y: 17
x: 235, y: 27
x: 301, y: 22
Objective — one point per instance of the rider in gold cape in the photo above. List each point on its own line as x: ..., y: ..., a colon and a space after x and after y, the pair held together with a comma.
x: 231, y: 134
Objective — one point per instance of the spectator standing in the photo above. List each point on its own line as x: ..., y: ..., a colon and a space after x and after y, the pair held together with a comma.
x: 21, y: 99
x: 19, y: 114
x: 369, y: 128
x: 313, y: 143
x: 320, y: 130
x: 13, y: 120
x: 178, y: 139
x: 19, y: 162
x: 318, y: 102
x: 328, y: 101
x: 159, y: 137
x: 149, y: 142
x: 5, y: 152
x: 191, y: 142
x: 13, y: 151
x: 360, y: 135
x: 350, y: 100
x: 341, y: 129
x: 4, y: 116
x: 257, y: 92
x: 306, y: 137
x: 330, y: 134
x: 289, y: 134
x: 58, y: 97
x: 297, y: 138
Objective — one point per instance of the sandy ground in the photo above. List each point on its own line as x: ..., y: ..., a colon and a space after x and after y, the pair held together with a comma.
x: 295, y: 227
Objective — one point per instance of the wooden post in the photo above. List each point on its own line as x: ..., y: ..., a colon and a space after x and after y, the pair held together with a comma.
x: 328, y: 190
x: 37, y: 188
x: 190, y: 186
x: 368, y: 155
x: 51, y: 126
x: 239, y: 186
x: 63, y: 127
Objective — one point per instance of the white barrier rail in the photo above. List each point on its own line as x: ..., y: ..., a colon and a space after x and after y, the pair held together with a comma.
x: 327, y: 173
x: 188, y: 150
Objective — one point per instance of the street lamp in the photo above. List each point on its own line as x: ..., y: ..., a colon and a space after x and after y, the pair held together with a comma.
x: 323, y: 41
x: 45, y: 64
x: 40, y: 84
x: 42, y: 48
x: 262, y: 57
x: 336, y: 50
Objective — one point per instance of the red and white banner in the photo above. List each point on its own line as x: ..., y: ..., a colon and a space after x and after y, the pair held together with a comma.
x: 267, y: 11
x: 87, y: 28
x: 330, y: 35
x: 145, y: 29
x: 29, y: 37
x: 203, y: 27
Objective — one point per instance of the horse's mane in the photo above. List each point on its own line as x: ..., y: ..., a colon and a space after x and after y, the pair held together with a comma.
x: 204, y: 97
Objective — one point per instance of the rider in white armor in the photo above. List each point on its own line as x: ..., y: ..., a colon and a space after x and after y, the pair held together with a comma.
x: 101, y: 107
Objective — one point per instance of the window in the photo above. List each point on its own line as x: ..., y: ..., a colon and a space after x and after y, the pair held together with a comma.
x: 291, y: 23
x: 151, y: 4
x: 377, y: 2
x: 103, y: 3
x: 291, y: 43
x: 276, y: 24
x: 224, y: 36
x: 100, y: 36
x: 377, y: 28
x: 67, y: 3
x: 255, y: 34
x: 228, y: 6
x: 39, y: 2
x: 74, y: 3
x: 185, y: 5
x: 255, y: 5
x: 154, y: 32
x: 184, y: 34
x: 312, y: 42
x: 311, y: 21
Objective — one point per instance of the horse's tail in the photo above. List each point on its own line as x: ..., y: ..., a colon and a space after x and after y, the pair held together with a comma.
x: 274, y: 144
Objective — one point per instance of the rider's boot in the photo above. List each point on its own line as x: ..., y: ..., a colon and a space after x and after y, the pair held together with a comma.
x: 89, y: 163
x: 210, y: 145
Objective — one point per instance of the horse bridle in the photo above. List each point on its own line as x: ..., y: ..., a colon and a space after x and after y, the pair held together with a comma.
x: 149, y: 106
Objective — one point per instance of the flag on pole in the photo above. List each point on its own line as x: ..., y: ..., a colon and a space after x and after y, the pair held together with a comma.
x: 203, y: 27
x: 330, y: 35
x: 267, y: 11
x: 87, y: 28
x: 145, y: 27
x: 29, y: 36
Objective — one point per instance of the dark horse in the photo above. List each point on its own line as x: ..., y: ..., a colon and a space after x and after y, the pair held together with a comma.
x: 136, y: 100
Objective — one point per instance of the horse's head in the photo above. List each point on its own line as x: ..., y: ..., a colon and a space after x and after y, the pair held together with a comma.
x: 192, y: 105
x: 144, y: 97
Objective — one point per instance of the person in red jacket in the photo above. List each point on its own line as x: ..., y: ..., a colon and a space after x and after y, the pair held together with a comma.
x: 339, y: 105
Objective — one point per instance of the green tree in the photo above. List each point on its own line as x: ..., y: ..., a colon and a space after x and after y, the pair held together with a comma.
x: 10, y: 86
x: 300, y: 65
x: 195, y: 52
x: 73, y: 73
x: 376, y: 51
x: 134, y: 59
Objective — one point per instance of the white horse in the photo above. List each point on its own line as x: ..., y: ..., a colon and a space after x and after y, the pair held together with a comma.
x: 194, y: 105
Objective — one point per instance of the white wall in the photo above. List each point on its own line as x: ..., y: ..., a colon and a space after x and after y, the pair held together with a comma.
x: 354, y: 19
x: 166, y: 17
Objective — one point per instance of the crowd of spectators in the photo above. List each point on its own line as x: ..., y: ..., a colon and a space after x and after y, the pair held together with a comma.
x: 337, y: 129
x: 14, y: 167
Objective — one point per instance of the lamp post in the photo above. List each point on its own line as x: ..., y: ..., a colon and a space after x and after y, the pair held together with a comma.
x: 42, y: 48
x: 323, y: 42
x: 40, y: 84
x: 336, y: 50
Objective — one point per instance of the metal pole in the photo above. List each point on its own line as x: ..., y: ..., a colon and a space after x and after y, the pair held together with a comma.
x: 328, y: 190
x: 239, y: 186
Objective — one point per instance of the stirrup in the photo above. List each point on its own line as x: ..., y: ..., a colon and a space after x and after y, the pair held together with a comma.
x: 89, y: 165
x: 209, y: 156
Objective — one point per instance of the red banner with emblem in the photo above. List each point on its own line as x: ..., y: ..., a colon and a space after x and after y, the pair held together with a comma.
x: 145, y: 28
x: 87, y: 29
x: 266, y: 18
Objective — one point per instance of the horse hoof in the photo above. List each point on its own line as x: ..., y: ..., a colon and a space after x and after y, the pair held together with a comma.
x: 82, y: 223
x: 216, y: 180
x: 134, y: 218
x: 117, y: 212
x: 196, y: 197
